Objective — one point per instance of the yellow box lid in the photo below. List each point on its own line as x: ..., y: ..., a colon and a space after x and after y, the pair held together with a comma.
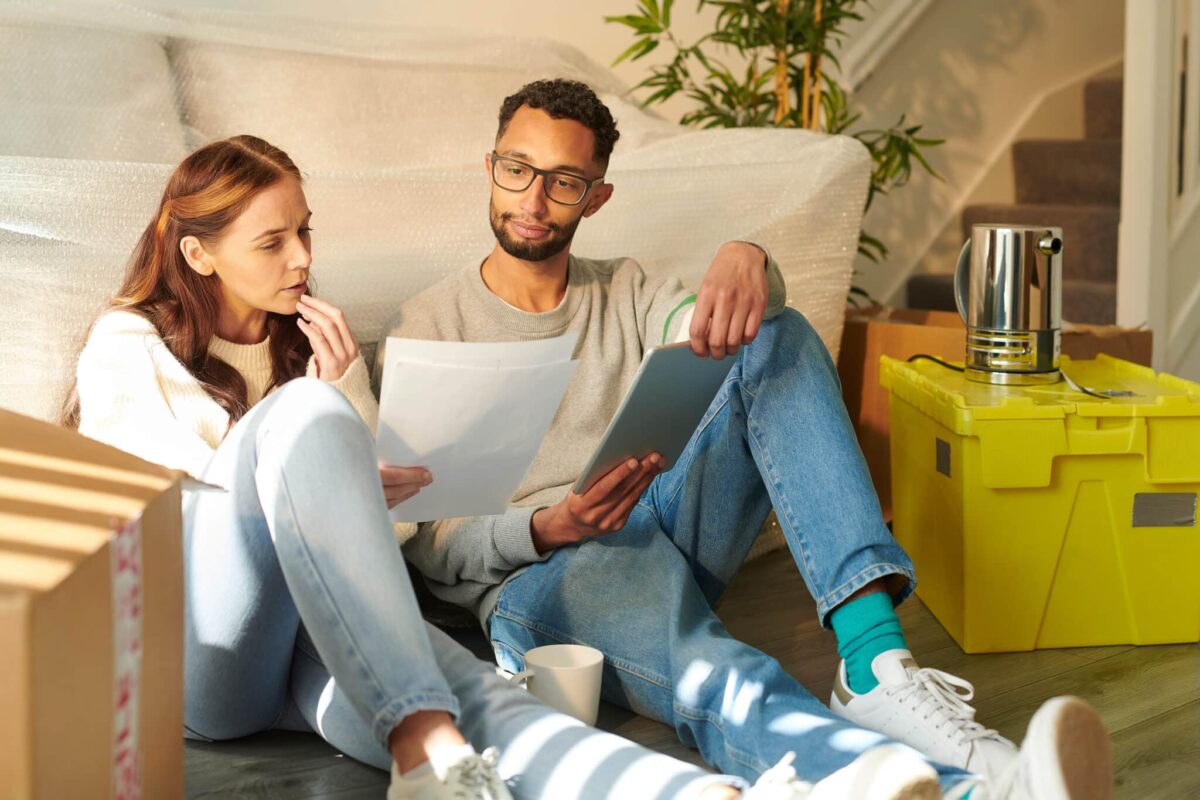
x: 957, y: 402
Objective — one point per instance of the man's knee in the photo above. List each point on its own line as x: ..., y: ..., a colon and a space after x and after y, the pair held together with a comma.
x: 790, y: 324
x: 787, y: 340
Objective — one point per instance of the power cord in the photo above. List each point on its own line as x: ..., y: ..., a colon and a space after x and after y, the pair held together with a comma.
x: 1105, y: 395
x: 923, y: 356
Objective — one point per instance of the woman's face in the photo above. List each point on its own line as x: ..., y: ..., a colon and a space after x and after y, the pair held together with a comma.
x: 262, y: 258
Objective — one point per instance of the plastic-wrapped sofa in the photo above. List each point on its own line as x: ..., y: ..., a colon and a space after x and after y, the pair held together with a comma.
x: 390, y: 126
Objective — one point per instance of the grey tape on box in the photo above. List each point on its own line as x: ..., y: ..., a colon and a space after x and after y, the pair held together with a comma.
x: 1164, y: 510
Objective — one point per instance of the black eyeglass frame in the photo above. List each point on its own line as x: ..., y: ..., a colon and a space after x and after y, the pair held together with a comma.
x: 543, y: 173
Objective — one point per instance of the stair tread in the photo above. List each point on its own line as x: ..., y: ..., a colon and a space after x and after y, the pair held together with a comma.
x: 1102, y: 108
x: 1084, y: 144
x: 1067, y: 171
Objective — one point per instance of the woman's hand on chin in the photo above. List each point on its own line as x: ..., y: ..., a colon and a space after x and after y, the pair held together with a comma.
x: 401, y: 483
x: 333, y: 345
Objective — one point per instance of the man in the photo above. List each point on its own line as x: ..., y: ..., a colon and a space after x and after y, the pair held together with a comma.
x: 634, y: 565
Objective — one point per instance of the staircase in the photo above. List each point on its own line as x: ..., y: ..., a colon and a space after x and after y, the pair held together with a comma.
x: 1071, y: 184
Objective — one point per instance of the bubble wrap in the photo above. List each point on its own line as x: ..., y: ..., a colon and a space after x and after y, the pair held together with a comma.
x: 389, y: 126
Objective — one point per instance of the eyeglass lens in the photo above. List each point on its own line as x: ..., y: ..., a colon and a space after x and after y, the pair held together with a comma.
x: 517, y: 177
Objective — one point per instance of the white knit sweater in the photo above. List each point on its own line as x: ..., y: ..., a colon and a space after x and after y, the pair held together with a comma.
x: 136, y: 396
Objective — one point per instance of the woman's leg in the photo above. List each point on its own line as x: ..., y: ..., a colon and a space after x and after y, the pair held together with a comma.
x: 545, y: 755
x: 301, y: 533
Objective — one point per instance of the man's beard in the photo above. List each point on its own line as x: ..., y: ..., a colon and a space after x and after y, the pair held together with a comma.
x: 552, y: 245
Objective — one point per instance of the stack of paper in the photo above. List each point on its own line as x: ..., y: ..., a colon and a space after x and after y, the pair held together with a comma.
x: 473, y: 414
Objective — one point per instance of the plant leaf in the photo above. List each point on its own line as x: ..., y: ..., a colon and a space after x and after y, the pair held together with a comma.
x: 629, y: 51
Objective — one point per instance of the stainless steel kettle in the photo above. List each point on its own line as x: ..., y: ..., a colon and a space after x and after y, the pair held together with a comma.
x: 1008, y: 288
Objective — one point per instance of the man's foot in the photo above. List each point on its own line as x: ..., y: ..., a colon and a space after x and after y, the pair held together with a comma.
x: 927, y: 710
x: 471, y: 777
x: 1066, y: 755
x: 887, y: 772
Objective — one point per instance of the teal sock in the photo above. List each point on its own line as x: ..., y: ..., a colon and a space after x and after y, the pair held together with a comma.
x: 866, y: 627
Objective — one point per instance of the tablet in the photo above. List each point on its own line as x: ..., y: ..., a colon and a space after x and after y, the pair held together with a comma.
x: 670, y: 393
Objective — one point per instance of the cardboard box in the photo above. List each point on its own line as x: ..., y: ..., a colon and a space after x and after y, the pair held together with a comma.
x: 904, y: 332
x: 91, y: 619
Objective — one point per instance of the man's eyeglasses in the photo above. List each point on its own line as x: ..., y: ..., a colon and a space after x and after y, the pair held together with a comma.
x: 561, y: 187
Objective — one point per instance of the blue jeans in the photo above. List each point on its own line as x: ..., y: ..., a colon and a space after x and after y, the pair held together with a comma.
x: 299, y: 615
x: 776, y: 435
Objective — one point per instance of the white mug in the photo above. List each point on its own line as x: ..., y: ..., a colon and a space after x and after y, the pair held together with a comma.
x: 565, y: 677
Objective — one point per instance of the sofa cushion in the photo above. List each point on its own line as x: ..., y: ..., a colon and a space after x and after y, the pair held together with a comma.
x: 75, y: 92
x: 361, y: 114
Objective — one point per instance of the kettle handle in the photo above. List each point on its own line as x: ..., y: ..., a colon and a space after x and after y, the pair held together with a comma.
x: 962, y: 279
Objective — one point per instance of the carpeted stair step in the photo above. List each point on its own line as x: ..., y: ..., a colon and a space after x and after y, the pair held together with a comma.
x: 1102, y: 108
x: 1092, y: 302
x: 1068, y: 171
x: 1089, y: 233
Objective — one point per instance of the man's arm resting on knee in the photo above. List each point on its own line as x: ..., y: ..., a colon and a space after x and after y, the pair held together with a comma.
x: 742, y: 287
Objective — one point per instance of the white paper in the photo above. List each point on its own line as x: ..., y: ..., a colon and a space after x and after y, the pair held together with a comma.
x: 473, y: 414
x: 481, y: 354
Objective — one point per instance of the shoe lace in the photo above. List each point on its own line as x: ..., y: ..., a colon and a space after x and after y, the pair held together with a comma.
x: 1008, y: 785
x: 476, y: 774
x: 944, y: 698
x: 783, y: 775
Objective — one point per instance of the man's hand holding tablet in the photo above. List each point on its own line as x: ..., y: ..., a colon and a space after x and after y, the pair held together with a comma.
x: 603, y: 508
x: 661, y: 410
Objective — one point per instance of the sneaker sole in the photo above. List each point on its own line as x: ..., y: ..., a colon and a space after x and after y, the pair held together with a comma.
x: 1083, y: 769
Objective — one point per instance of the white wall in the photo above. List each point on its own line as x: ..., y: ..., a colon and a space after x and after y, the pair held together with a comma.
x: 1189, y: 365
x: 1182, y: 354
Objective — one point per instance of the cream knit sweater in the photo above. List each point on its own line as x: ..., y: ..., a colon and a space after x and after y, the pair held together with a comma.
x: 135, y: 395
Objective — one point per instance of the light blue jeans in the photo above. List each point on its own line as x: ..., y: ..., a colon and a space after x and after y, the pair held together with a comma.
x: 300, y: 615
x: 777, y: 434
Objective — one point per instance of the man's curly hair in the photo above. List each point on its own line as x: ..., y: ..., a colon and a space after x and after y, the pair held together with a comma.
x: 565, y: 99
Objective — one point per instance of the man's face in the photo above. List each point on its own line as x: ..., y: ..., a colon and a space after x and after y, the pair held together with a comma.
x: 528, y: 224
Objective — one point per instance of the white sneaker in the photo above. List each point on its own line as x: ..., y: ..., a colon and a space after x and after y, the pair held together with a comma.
x: 779, y: 783
x: 887, y: 772
x: 471, y: 777
x: 1066, y: 755
x: 927, y: 710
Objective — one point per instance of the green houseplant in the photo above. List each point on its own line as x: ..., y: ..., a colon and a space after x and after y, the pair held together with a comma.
x: 786, y: 45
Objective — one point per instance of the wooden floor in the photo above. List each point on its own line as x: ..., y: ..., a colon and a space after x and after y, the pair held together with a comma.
x: 1148, y: 696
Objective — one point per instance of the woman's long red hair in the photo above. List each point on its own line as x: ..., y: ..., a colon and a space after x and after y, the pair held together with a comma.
x: 205, y: 193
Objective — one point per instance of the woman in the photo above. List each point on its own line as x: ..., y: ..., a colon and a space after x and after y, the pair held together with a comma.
x: 299, y: 609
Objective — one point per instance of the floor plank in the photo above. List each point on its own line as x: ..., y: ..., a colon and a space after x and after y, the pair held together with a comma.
x: 1126, y: 689
x: 1148, y: 696
x: 277, y: 765
x: 1160, y: 756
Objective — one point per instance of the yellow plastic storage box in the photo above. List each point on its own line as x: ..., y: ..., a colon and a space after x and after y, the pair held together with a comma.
x: 1046, y: 517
